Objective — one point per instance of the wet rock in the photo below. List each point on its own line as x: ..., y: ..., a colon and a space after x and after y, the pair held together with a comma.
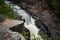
x: 6, y: 34
x: 17, y: 28
x: 41, y: 12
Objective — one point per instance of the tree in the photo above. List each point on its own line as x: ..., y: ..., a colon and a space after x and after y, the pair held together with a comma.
x: 56, y: 5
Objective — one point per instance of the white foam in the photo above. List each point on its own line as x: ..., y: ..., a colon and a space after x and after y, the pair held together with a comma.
x: 16, y: 7
x: 29, y: 22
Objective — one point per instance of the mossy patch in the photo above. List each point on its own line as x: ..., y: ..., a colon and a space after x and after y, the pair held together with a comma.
x: 6, y: 11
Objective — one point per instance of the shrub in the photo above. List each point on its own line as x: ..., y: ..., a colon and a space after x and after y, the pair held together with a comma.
x: 56, y: 4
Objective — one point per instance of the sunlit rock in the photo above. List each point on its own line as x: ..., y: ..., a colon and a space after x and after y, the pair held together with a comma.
x: 10, y: 23
x: 5, y: 33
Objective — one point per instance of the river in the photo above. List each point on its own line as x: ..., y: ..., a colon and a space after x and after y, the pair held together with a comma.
x: 29, y: 21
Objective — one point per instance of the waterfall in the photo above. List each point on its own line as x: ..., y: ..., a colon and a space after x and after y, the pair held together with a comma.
x: 29, y: 21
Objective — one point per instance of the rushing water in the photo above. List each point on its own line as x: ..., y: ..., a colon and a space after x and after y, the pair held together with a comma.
x: 29, y: 21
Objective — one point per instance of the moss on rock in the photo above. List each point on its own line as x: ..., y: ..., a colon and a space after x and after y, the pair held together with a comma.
x: 6, y: 10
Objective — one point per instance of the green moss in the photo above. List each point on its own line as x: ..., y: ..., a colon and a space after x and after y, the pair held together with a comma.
x: 25, y: 34
x: 7, y: 11
x: 44, y: 36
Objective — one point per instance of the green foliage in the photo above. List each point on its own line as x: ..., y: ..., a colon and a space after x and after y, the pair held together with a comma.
x: 56, y: 4
x: 44, y: 36
x: 6, y: 11
x: 1, y: 2
x: 25, y: 34
x: 57, y: 13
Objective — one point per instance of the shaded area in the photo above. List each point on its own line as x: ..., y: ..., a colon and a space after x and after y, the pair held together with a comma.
x: 40, y: 10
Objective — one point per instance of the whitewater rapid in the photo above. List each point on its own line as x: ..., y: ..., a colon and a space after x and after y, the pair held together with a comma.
x: 29, y: 21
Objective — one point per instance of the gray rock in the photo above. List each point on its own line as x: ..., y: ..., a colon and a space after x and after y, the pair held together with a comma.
x: 6, y: 34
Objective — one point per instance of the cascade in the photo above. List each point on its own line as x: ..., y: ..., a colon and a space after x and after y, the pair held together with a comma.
x: 29, y: 21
